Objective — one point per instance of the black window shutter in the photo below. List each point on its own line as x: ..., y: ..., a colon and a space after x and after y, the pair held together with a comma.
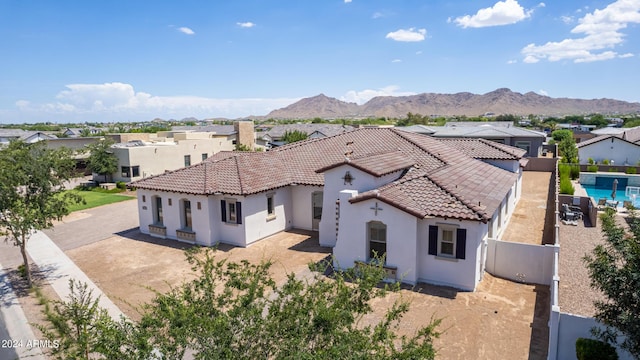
x: 223, y: 210
x: 461, y: 243
x: 433, y: 240
x: 238, y: 212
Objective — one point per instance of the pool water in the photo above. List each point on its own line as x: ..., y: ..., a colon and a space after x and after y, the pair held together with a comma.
x: 600, y: 192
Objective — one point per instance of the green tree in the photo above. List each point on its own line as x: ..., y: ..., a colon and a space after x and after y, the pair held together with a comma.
x: 102, y: 160
x: 614, y: 269
x: 31, y: 192
x: 293, y: 136
x: 236, y: 311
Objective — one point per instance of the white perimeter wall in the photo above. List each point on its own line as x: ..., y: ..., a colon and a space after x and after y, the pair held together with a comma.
x: 520, y: 262
x: 573, y: 327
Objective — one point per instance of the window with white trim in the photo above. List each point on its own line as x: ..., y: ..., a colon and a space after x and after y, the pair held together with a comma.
x: 271, y: 210
x: 186, y: 214
x: 377, y: 239
x: 231, y: 211
x: 158, y: 218
x: 447, y: 241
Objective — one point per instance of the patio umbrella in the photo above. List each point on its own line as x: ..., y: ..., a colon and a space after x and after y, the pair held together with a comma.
x: 615, y: 187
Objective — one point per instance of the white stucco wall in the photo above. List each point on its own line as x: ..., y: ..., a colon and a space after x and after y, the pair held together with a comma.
x: 172, y: 214
x: 509, y: 165
x: 333, y: 184
x: 302, y: 214
x: 462, y: 274
x: 352, y: 239
x: 256, y: 221
x: 228, y: 233
x: 618, y: 150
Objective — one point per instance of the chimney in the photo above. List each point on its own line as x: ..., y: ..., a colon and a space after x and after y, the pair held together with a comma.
x: 245, y: 134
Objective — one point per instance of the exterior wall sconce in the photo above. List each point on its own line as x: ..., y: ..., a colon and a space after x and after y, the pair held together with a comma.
x: 348, y: 178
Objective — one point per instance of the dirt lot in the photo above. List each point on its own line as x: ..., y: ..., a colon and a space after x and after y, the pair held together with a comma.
x: 495, y: 322
x: 528, y: 219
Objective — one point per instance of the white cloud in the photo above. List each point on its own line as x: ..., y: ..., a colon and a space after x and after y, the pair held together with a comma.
x: 361, y: 97
x: 247, y: 24
x: 408, y: 35
x: 512, y: 61
x: 396, y: 61
x: 501, y: 13
x: 543, y: 92
x: 120, y: 102
x: 600, y: 32
x: 186, y: 30
x: 347, y: 1
x: 627, y: 55
x: 567, y: 19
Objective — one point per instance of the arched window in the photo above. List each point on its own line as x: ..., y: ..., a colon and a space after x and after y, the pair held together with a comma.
x: 377, y: 239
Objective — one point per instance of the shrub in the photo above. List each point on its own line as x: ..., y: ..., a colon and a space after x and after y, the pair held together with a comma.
x: 121, y: 185
x: 566, y: 187
x: 631, y: 170
x: 590, y: 349
x: 613, y: 169
x: 605, y: 162
x: 591, y: 161
x: 592, y: 168
x: 575, y: 172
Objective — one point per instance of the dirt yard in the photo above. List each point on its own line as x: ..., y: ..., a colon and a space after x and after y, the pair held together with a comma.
x: 495, y: 322
x: 527, y: 224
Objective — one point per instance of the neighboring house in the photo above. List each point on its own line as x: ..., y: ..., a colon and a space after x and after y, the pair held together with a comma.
x: 609, y: 147
x: 629, y: 134
x: 526, y: 139
x: 7, y: 135
x: 154, y: 154
x: 77, y: 132
x: 273, y: 137
x: 429, y: 205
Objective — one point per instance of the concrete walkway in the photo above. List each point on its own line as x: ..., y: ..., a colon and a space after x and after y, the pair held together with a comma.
x: 58, y: 269
x: 15, y: 331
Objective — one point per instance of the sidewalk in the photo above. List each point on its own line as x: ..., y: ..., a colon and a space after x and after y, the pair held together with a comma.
x: 15, y: 331
x: 58, y: 269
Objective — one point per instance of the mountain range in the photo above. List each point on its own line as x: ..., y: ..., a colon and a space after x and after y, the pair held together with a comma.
x: 500, y: 101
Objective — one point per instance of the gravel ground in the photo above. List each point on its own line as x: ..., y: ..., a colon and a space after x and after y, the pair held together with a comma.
x: 576, y: 294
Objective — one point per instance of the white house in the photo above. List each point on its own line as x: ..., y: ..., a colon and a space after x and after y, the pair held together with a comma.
x: 428, y: 204
x: 609, y: 147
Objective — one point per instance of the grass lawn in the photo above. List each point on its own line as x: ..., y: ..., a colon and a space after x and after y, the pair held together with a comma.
x: 94, y: 199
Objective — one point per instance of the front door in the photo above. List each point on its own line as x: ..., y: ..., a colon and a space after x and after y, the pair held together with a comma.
x: 316, y: 209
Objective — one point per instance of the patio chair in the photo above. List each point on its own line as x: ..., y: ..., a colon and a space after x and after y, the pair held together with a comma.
x: 602, y: 203
x: 571, y: 213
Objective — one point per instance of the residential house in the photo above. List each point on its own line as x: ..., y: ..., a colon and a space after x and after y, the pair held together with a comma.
x: 7, y: 135
x: 78, y: 132
x: 609, y: 147
x: 428, y: 205
x: 629, y: 134
x: 273, y: 137
x: 504, y: 133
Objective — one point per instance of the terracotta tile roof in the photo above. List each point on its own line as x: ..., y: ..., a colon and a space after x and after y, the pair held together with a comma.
x: 443, y: 180
x: 602, y: 138
x: 376, y: 164
x: 485, y: 149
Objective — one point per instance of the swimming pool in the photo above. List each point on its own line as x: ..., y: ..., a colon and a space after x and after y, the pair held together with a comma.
x: 597, y: 192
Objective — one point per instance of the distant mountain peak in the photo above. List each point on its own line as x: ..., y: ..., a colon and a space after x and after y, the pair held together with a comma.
x: 499, y: 101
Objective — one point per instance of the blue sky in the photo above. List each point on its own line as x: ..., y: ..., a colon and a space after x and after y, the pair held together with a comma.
x: 70, y: 61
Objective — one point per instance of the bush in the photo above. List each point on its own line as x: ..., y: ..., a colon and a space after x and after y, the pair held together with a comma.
x: 590, y: 349
x: 613, y: 169
x: 121, y: 185
x: 631, y: 170
x: 605, y: 162
x: 591, y: 161
x: 592, y: 168
x: 566, y: 187
x: 575, y: 172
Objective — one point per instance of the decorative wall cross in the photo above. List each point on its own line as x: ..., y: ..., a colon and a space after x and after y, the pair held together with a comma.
x: 376, y: 208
